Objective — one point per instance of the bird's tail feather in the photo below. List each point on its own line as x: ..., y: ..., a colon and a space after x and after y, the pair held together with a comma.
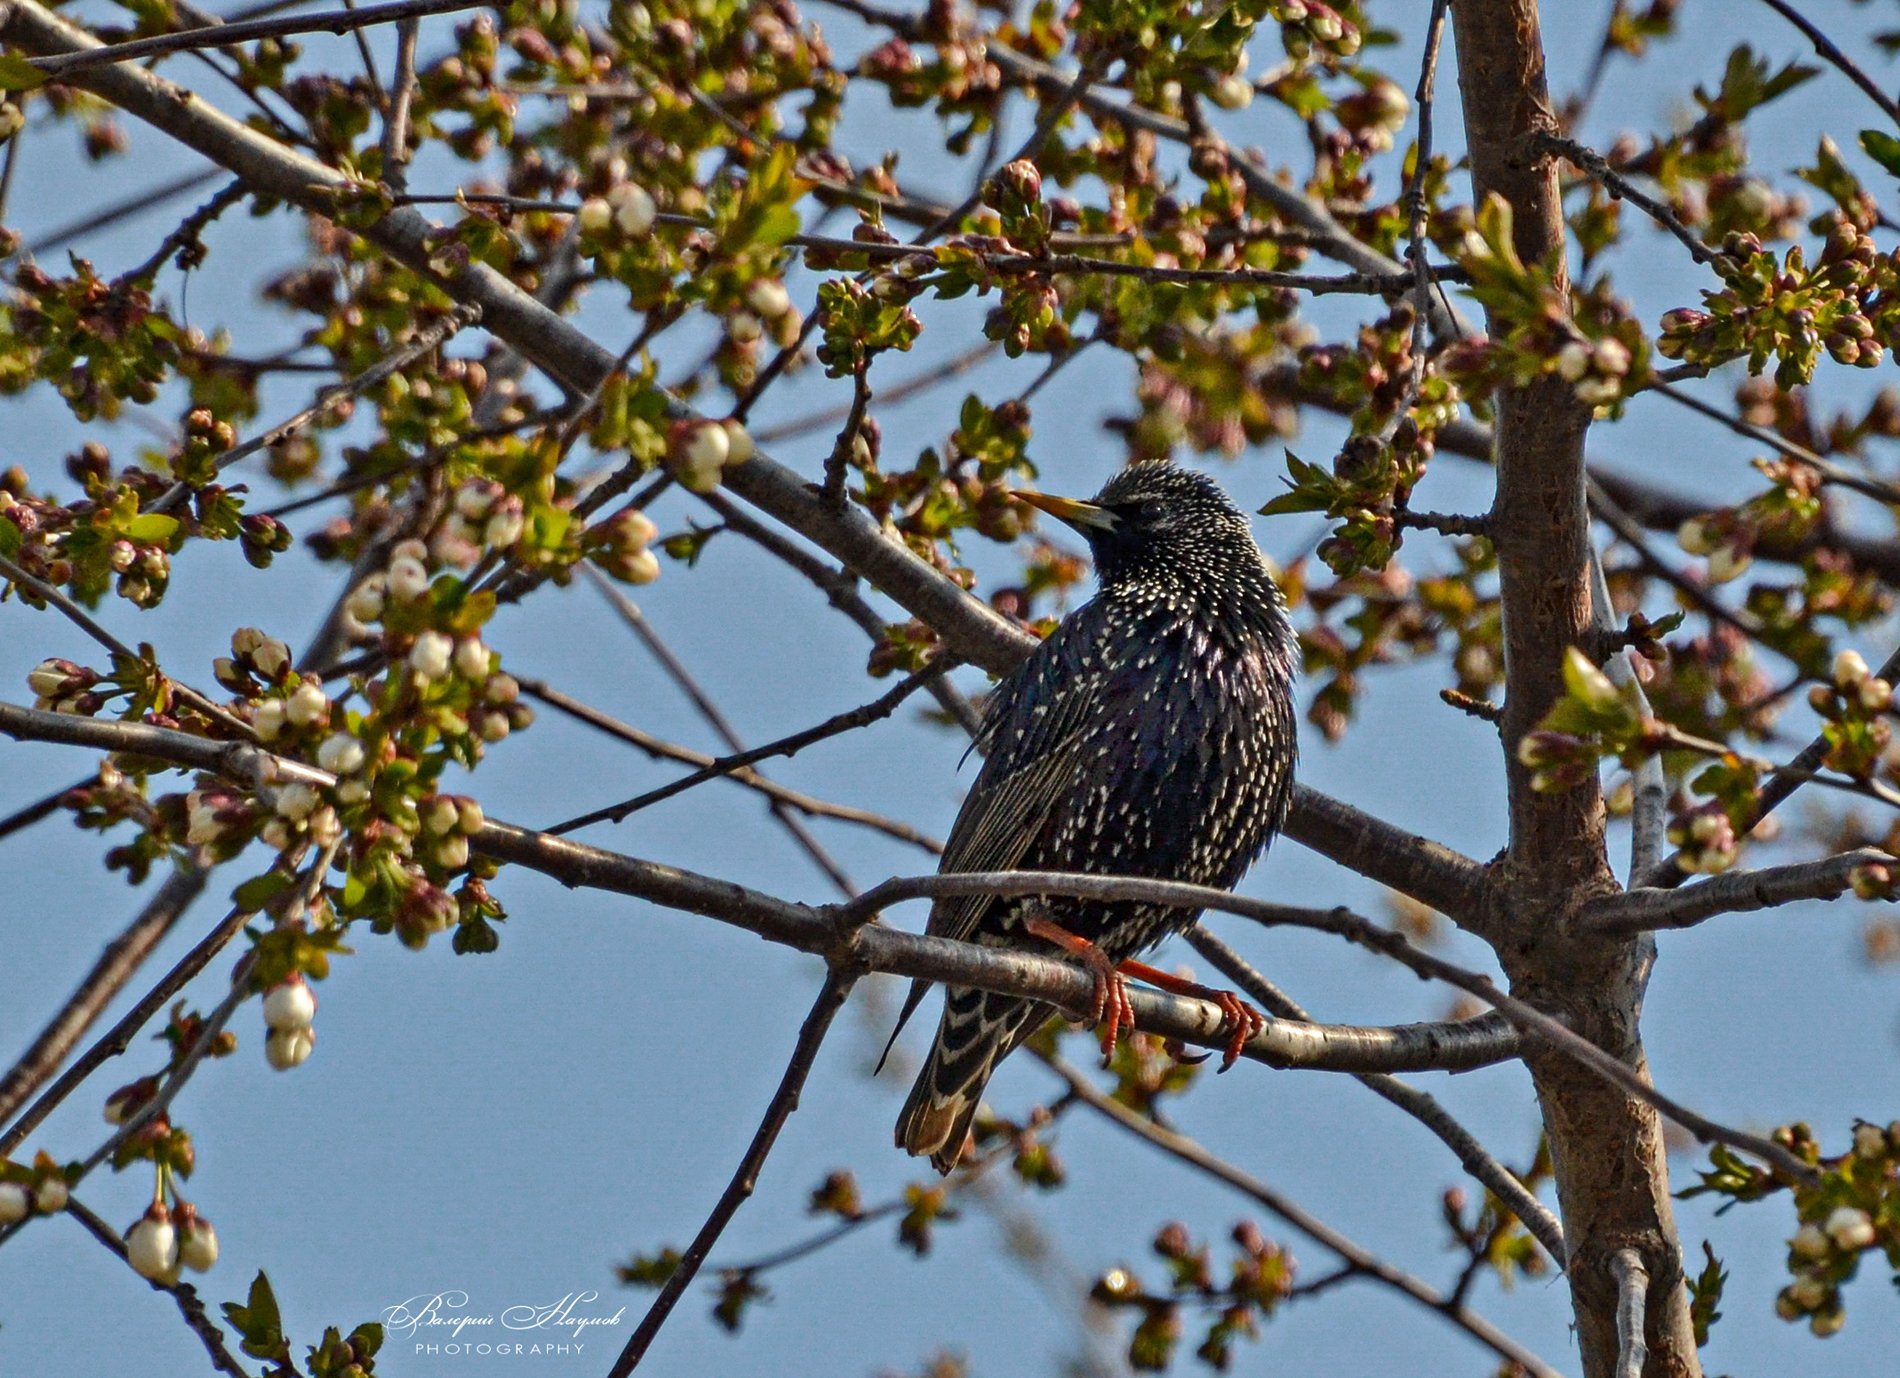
x: 977, y: 1031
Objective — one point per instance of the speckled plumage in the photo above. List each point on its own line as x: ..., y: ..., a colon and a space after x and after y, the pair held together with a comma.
x: 1151, y: 734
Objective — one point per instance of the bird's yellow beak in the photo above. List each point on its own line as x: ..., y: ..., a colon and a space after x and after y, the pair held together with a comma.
x: 1083, y: 516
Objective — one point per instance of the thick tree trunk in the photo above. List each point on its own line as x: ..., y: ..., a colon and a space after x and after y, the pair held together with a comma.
x: 1612, y: 1179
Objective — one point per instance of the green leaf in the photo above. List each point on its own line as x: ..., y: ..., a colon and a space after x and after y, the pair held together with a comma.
x: 10, y: 538
x: 150, y: 527
x: 259, y: 891
x: 1882, y: 148
x: 17, y: 74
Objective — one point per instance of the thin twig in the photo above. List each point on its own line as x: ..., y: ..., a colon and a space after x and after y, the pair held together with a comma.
x: 119, y: 1037
x: 838, y: 462
x: 1632, y: 1298
x: 223, y: 35
x: 1825, y: 46
x: 396, y: 121
x: 831, y: 998
x: 1363, y: 1260
x: 1420, y: 1105
x: 660, y: 749
x: 1621, y: 187
x: 426, y: 340
x: 696, y: 694
x: 1736, y: 892
x: 183, y: 1293
x: 876, y: 710
x: 122, y: 957
x: 83, y: 620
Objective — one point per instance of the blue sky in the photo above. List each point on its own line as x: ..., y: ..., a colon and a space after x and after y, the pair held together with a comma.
x: 511, y: 1126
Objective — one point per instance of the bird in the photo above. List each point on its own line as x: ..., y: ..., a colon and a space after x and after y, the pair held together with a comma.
x: 1151, y: 734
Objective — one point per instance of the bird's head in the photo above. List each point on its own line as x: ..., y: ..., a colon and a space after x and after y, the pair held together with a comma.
x: 1158, y: 521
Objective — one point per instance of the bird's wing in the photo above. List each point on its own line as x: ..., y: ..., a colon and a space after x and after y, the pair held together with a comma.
x: 1034, y: 731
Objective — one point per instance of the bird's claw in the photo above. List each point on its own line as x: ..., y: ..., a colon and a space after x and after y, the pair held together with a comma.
x: 1241, y: 1021
x: 1110, y: 1009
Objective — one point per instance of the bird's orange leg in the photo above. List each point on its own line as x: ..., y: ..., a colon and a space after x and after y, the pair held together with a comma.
x: 1110, y: 1009
x: 1240, y: 1020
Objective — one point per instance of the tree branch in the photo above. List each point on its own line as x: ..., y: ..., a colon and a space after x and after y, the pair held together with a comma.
x: 831, y: 998
x: 1472, y: 1155
x: 122, y: 957
x: 1363, y: 1260
x: 973, y: 632
x: 1737, y: 892
x: 1632, y: 1296
x: 660, y: 749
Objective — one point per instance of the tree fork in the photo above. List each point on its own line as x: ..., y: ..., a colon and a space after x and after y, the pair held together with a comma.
x: 1607, y: 1149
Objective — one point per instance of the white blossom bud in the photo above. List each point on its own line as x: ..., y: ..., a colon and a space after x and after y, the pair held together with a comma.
x: 1808, y: 1292
x: 198, y: 1245
x: 1849, y: 669
x: 47, y: 678
x: 1850, y: 1228
x: 269, y: 720
x: 366, y: 600
x: 1611, y: 356
x: 504, y: 528
x: 739, y: 446
x: 494, y: 727
x: 641, y: 567
x: 633, y: 208
x: 429, y: 657
x: 1232, y: 92
x: 50, y: 1195
x: 1598, y: 392
x: 287, y: 1048
x: 1824, y: 1323
x: 452, y: 852
x: 440, y: 815
x: 469, y: 818
x: 1726, y: 563
x: 596, y: 214
x: 353, y: 791
x: 1876, y: 695
x: 16, y: 1202
x: 151, y: 1246
x: 408, y: 579
x: 341, y: 754
x: 297, y: 801
x: 475, y: 500
x: 1869, y: 1141
x: 471, y: 659
x: 1573, y: 361
x: 290, y: 1004
x: 1810, y: 1242
x: 769, y: 298
x: 307, y: 704
x: 501, y: 688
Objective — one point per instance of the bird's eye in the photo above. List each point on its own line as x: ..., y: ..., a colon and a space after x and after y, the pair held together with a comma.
x: 1148, y: 511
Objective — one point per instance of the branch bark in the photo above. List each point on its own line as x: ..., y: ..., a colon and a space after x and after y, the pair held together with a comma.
x: 1606, y: 1143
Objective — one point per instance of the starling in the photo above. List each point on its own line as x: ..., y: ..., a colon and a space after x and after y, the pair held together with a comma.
x: 1151, y: 734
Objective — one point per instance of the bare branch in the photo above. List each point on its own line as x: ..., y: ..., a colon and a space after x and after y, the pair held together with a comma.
x: 839, y: 933
x: 849, y: 720
x: 973, y: 632
x: 223, y: 35
x: 121, y: 958
x: 1826, y: 47
x: 1421, y: 1106
x: 1362, y: 1260
x: 120, y: 1036
x: 1632, y: 1299
x: 189, y: 1306
x: 1617, y: 185
x: 831, y: 998
x: 676, y: 670
x: 661, y: 749
x: 1737, y: 892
